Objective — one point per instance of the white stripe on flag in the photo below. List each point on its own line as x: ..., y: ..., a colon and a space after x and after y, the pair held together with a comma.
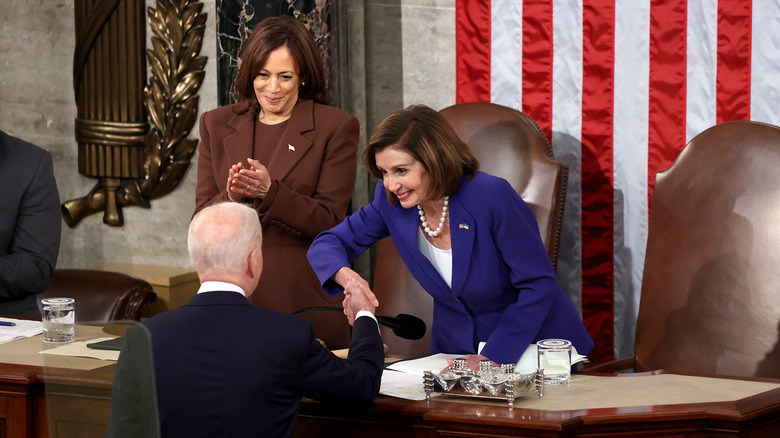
x: 702, y: 55
x: 506, y: 61
x: 765, y: 75
x: 567, y: 137
x: 632, y: 64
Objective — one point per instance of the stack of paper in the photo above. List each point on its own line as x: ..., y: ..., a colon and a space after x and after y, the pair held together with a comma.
x: 21, y: 328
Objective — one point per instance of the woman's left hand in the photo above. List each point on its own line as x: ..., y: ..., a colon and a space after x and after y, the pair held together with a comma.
x: 253, y: 182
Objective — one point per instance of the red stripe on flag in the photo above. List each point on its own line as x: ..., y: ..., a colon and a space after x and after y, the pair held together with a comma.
x: 598, y: 72
x: 667, y: 86
x: 733, y: 76
x: 538, y: 62
x: 472, y: 46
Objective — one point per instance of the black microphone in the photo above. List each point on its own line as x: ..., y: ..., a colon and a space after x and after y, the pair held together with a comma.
x: 403, y: 325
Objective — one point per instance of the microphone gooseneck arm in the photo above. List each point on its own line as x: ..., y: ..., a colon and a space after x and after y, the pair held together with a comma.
x: 317, y: 309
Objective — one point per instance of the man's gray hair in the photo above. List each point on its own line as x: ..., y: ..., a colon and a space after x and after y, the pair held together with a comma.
x: 222, y: 236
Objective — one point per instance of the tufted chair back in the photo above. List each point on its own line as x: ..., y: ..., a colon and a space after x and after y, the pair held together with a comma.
x: 101, y: 296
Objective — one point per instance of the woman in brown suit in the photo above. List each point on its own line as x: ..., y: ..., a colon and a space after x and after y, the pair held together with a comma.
x: 290, y: 156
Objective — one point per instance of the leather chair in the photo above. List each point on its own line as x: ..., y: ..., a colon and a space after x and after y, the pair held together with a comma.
x: 101, y: 296
x: 511, y: 145
x: 508, y: 144
x: 710, y: 299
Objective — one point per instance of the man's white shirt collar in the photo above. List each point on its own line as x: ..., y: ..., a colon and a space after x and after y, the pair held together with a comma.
x: 211, y: 286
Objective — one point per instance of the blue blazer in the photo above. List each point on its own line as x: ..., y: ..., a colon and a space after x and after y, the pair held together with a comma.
x: 503, y: 291
x: 224, y: 367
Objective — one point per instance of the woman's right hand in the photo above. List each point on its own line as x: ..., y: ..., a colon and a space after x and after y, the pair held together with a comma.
x: 232, y: 189
x: 353, y: 283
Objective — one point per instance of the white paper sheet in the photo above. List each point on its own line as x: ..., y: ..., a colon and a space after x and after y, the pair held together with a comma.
x: 528, y: 362
x: 404, y: 379
x: 22, y: 329
x: 418, y: 367
x: 402, y: 385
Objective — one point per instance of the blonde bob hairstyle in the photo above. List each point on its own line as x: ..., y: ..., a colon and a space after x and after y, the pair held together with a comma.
x: 427, y: 136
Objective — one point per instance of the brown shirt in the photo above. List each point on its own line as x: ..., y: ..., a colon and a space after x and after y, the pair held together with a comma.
x: 267, y: 135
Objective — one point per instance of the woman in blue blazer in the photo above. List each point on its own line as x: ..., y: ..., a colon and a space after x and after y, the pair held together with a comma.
x: 466, y: 236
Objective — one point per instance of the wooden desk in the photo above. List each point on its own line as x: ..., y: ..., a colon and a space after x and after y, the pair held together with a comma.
x: 756, y: 416
x: 38, y: 401
x: 58, y: 397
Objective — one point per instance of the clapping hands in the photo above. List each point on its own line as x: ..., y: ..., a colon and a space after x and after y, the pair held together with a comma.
x: 252, y: 182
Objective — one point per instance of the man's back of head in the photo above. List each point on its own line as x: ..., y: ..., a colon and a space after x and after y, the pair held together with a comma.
x: 224, y: 242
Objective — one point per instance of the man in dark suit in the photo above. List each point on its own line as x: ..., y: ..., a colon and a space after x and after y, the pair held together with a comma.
x: 29, y: 225
x: 226, y: 368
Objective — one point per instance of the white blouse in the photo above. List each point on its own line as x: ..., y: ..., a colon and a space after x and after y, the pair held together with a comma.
x: 440, y: 258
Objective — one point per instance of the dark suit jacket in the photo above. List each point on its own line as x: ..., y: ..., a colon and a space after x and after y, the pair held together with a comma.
x: 503, y: 291
x: 226, y: 368
x: 29, y: 225
x: 310, y: 192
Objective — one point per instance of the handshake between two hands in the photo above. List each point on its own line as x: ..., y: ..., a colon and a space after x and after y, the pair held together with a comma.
x: 357, y: 294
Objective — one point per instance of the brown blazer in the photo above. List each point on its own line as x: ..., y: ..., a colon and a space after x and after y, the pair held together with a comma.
x: 313, y: 172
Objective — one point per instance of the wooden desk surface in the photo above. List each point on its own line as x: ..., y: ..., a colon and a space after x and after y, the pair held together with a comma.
x: 42, y: 393
x: 755, y: 415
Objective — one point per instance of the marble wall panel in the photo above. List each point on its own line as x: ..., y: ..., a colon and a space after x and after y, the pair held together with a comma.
x: 384, y: 60
x: 428, y: 40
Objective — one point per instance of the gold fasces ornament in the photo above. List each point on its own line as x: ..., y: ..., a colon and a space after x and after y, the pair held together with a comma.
x: 170, y: 101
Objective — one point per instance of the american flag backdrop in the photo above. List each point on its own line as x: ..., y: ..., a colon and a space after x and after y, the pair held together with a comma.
x: 619, y: 86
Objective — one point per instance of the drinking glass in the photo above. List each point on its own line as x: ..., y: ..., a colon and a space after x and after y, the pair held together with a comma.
x: 555, y: 359
x: 59, y: 319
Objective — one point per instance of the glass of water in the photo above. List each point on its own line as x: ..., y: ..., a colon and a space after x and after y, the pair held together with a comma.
x: 59, y: 319
x: 555, y: 359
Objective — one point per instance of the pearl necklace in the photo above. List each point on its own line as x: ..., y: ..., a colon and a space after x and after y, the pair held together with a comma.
x: 437, y: 231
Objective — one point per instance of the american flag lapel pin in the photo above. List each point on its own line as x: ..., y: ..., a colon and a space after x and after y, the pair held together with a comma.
x: 290, y: 148
x: 463, y: 226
